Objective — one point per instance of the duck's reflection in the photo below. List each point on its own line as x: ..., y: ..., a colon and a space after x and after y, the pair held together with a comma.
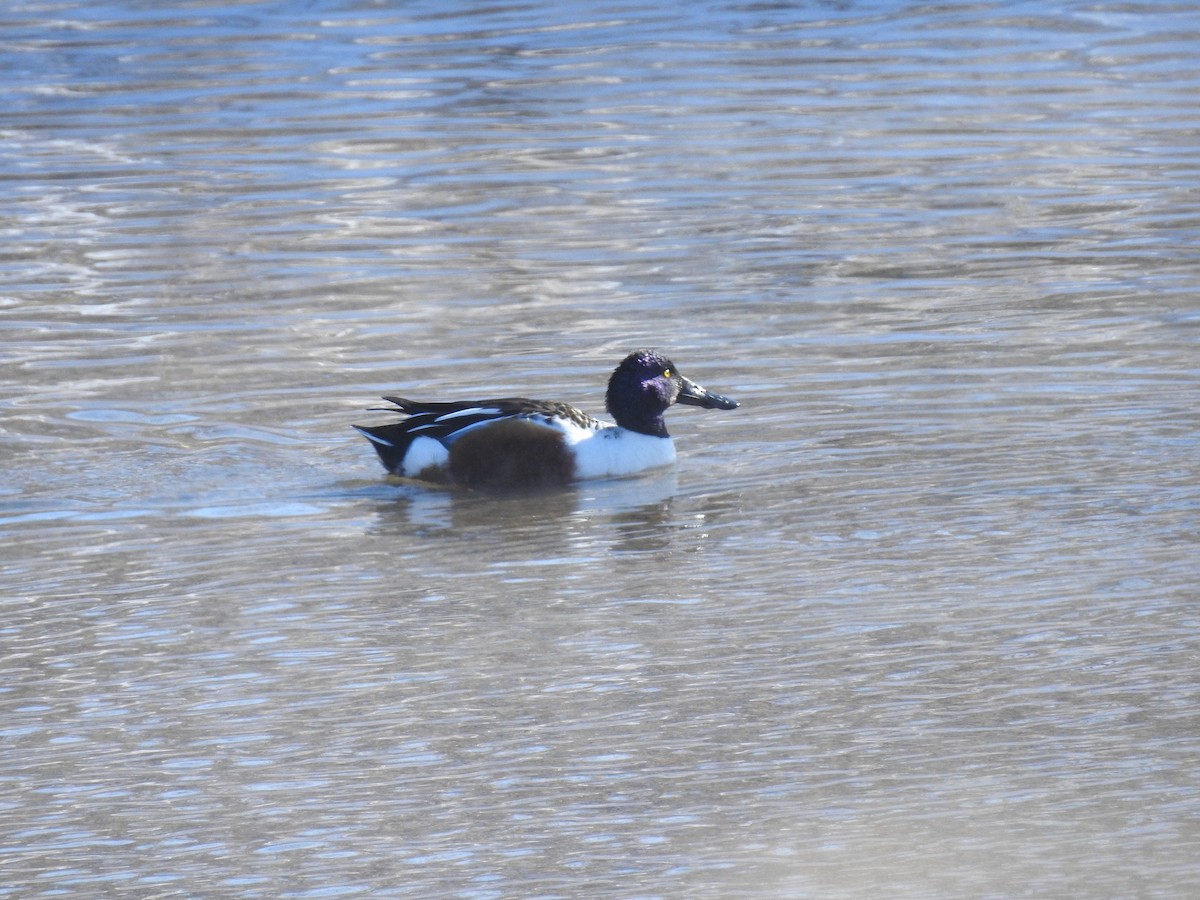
x: 637, y: 510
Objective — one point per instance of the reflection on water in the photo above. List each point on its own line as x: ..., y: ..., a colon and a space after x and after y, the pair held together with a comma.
x: 916, y: 620
x: 642, y: 500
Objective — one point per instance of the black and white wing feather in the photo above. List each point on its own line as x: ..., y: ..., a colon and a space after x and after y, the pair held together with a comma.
x: 445, y: 422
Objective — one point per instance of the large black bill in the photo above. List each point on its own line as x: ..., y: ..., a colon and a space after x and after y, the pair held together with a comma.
x: 694, y: 395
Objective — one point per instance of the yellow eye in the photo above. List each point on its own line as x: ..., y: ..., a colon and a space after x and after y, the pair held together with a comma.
x: 666, y: 373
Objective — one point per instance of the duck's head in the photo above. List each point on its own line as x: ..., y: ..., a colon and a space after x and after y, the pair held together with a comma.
x: 645, y: 384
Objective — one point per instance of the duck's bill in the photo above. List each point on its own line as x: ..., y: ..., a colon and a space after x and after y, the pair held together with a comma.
x: 694, y: 395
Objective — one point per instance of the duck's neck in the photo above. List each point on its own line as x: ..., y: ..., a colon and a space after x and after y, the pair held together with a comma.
x: 633, y: 417
x: 654, y: 427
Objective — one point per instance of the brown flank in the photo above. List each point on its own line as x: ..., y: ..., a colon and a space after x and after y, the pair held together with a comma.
x: 513, y: 453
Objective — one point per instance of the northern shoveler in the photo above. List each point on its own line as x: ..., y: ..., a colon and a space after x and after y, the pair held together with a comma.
x: 516, y: 442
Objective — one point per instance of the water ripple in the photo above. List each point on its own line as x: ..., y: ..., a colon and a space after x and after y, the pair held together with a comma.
x: 916, y: 619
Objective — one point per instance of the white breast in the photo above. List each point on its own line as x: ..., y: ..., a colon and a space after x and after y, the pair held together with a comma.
x: 612, y: 451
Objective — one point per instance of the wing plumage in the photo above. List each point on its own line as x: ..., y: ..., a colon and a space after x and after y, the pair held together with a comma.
x: 446, y: 422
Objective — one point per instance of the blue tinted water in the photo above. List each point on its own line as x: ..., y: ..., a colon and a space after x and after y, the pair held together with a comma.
x: 916, y: 620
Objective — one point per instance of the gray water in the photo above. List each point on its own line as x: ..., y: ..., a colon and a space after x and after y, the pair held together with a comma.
x: 919, y: 619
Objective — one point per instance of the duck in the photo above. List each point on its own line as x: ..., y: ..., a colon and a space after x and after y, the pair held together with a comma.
x: 516, y: 443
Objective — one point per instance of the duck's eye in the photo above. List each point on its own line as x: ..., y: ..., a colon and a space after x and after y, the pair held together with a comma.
x: 666, y: 373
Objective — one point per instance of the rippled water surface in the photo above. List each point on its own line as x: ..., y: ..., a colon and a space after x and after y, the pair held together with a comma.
x: 919, y: 619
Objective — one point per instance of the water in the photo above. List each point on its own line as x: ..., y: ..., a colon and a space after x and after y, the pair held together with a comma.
x: 917, y: 620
